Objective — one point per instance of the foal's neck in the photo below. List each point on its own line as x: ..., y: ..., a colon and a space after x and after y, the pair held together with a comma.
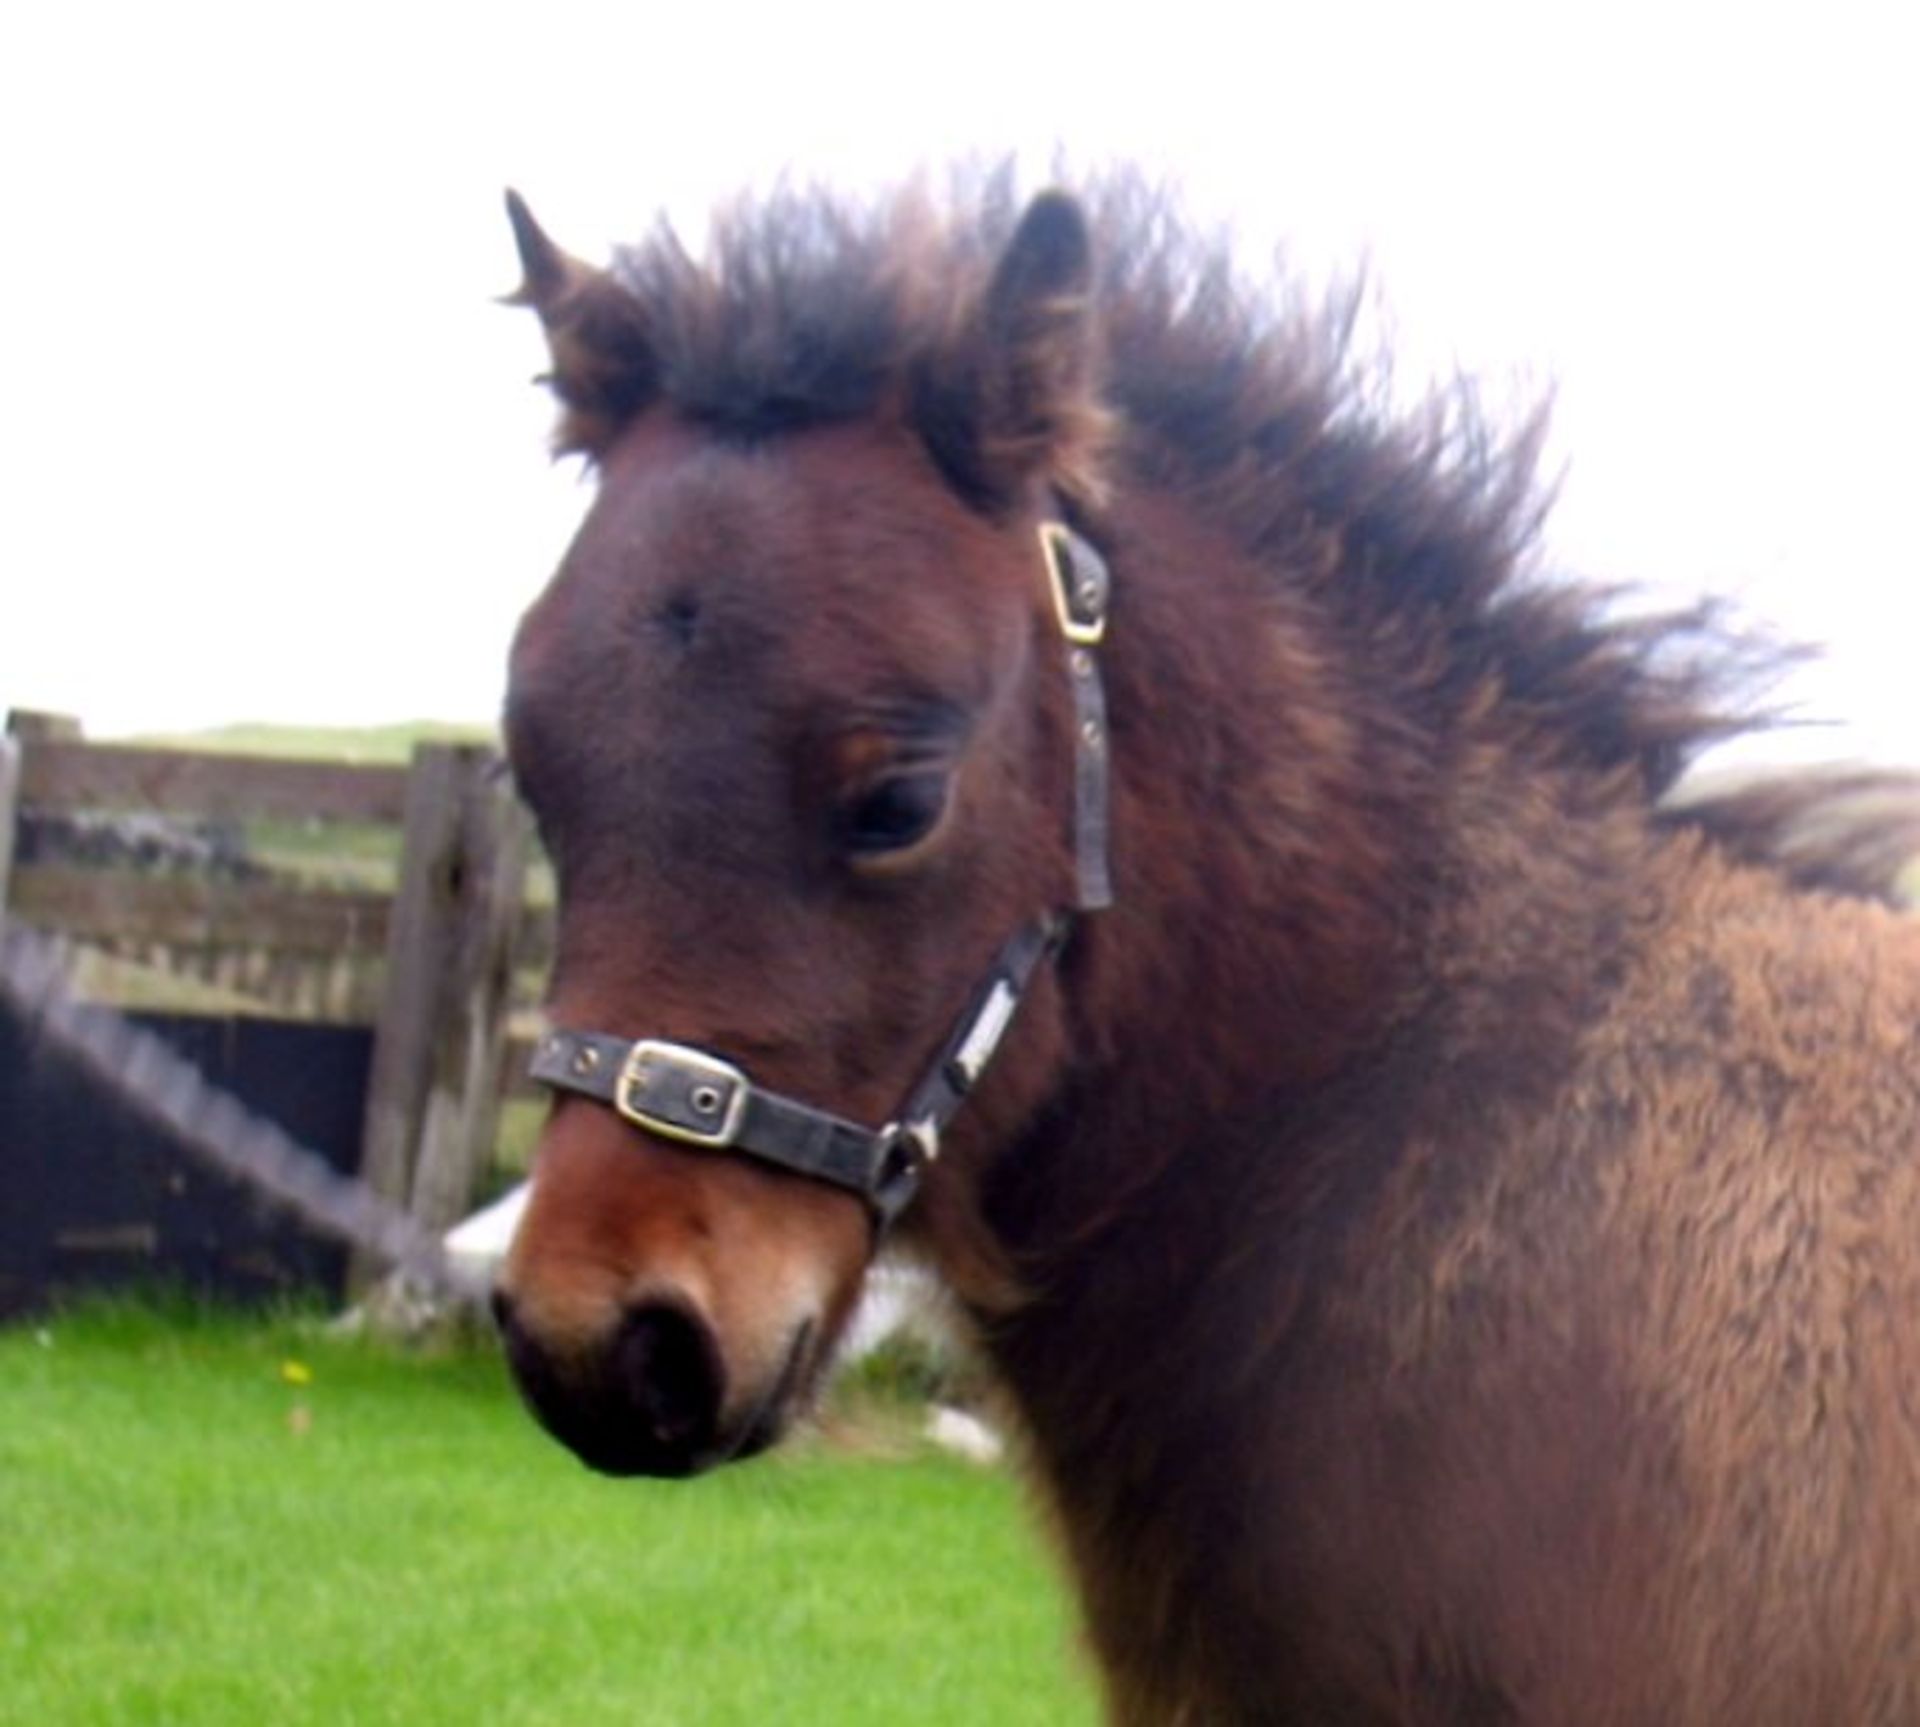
x: 1343, y: 915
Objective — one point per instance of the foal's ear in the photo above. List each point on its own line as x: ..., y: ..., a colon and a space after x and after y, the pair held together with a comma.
x: 1019, y: 403
x: 604, y: 370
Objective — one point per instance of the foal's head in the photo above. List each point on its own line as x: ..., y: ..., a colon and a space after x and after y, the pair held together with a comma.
x: 794, y: 722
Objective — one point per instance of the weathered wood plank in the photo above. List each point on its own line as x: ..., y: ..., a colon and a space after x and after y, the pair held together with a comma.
x: 57, y: 775
x: 515, y: 1080
x: 197, y: 911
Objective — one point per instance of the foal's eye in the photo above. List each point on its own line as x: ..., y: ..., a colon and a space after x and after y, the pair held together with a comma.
x: 892, y: 815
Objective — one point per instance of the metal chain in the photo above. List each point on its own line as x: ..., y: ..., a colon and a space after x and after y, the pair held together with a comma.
x: 35, y: 972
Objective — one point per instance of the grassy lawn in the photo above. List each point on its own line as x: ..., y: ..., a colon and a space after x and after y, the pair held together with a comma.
x: 208, y: 1519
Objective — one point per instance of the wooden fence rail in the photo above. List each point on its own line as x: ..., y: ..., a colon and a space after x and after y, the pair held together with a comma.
x: 423, y: 932
x: 156, y: 911
x: 72, y: 775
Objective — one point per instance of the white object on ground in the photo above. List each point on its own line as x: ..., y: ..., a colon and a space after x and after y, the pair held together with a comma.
x: 965, y: 1435
x: 479, y: 1244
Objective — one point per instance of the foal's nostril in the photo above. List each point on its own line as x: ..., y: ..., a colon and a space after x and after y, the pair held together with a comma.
x: 665, y: 1368
x: 642, y: 1400
x: 501, y: 1305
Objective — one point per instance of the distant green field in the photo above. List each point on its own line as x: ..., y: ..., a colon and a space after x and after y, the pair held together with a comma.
x: 209, y: 1520
x: 370, y: 744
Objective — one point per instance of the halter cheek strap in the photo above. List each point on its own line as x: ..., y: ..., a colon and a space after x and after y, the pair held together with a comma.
x: 1082, y: 589
x: 695, y: 1099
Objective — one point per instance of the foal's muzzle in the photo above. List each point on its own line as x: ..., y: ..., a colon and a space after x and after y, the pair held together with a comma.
x: 645, y: 1401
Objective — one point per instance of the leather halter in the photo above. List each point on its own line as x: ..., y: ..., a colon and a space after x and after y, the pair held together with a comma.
x: 693, y: 1098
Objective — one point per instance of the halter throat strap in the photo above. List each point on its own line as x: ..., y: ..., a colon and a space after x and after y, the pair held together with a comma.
x: 701, y: 1101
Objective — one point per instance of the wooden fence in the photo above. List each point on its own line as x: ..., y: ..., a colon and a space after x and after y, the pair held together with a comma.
x: 394, y: 897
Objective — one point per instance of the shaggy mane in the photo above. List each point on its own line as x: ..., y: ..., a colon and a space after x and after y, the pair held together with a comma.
x: 1420, y: 526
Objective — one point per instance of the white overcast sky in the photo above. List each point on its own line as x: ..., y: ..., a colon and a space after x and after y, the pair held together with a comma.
x: 267, y: 450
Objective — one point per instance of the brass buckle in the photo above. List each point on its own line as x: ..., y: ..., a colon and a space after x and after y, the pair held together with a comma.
x: 682, y: 1094
x: 1079, y: 596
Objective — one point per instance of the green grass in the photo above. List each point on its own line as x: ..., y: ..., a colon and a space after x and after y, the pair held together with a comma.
x: 192, y: 1537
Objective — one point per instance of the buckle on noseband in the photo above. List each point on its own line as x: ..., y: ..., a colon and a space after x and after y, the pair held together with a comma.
x: 682, y: 1094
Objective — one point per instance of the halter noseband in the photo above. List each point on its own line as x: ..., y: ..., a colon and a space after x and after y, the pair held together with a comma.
x: 693, y: 1098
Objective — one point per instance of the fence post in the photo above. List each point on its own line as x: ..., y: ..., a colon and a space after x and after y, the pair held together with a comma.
x: 25, y: 726
x: 462, y: 1114
x: 432, y: 1101
x: 420, y: 937
x: 31, y: 725
x: 9, y: 810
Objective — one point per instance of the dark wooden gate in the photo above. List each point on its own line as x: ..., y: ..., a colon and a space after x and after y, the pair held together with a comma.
x: 94, y: 1197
